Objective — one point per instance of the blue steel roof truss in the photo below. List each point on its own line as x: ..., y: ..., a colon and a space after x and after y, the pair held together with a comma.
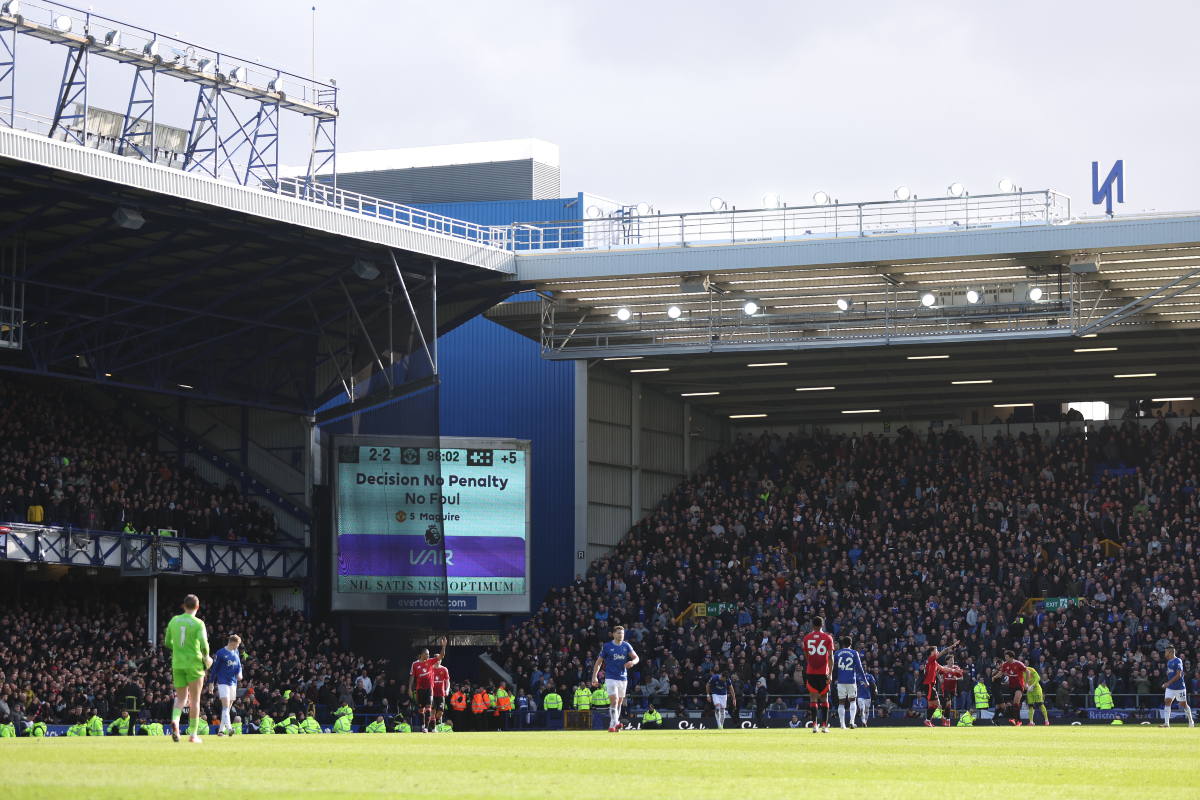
x: 8, y: 74
x: 210, y: 147
x: 146, y: 555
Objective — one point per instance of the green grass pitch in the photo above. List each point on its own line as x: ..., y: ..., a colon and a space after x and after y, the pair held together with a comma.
x: 1062, y: 761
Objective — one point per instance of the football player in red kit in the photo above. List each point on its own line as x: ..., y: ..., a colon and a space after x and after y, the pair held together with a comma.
x: 932, y: 668
x: 818, y: 651
x: 950, y: 676
x: 421, y: 675
x: 1013, y: 672
x: 440, y: 676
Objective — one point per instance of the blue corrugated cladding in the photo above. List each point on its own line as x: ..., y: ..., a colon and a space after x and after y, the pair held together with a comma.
x: 495, y: 384
x: 503, y: 212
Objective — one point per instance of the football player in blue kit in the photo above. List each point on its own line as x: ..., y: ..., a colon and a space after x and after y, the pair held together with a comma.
x: 719, y: 688
x: 226, y: 672
x: 864, y: 698
x: 1176, y: 690
x: 616, y: 657
x: 849, y: 669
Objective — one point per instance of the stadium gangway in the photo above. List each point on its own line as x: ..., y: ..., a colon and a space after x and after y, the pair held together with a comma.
x: 150, y: 555
x: 496, y: 236
x: 629, y: 230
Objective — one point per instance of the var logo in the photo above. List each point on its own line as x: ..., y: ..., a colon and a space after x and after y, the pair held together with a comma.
x: 401, y: 516
x: 430, y: 557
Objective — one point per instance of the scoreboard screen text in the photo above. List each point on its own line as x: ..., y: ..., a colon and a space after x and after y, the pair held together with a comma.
x: 395, y: 502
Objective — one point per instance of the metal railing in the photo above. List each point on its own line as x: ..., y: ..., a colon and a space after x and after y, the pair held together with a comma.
x: 410, y: 216
x: 835, y: 221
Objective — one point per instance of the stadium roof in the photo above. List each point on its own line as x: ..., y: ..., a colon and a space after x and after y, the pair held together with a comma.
x: 1129, y: 283
x: 225, y: 292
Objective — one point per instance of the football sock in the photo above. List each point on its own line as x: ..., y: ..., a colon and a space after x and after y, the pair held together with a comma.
x: 193, y: 726
x: 614, y: 716
x: 176, y: 713
x: 1188, y: 711
x: 1166, y: 715
x: 225, y: 718
x: 842, y: 716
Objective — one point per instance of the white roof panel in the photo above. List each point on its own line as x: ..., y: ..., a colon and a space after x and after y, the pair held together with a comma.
x: 441, y: 155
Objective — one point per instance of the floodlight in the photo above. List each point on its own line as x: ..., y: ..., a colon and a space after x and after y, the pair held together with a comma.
x: 844, y: 304
x: 202, y: 64
x: 365, y: 269
x: 673, y: 312
x: 238, y: 74
x: 1035, y: 294
x: 273, y: 85
x: 1007, y: 186
x: 973, y: 296
x: 902, y: 193
x: 751, y: 308
x: 821, y: 199
x: 594, y: 212
x: 112, y: 39
x: 716, y: 204
x: 928, y: 299
x: 63, y: 24
x: 622, y: 314
x: 643, y: 208
x: 129, y: 218
x: 772, y: 201
x: 11, y: 8
x: 956, y: 189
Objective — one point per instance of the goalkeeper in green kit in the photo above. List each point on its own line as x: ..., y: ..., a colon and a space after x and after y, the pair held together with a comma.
x: 187, y: 640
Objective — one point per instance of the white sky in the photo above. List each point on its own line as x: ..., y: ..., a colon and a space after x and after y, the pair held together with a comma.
x: 672, y: 103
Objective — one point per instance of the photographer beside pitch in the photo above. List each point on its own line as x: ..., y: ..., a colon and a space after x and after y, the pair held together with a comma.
x: 187, y: 640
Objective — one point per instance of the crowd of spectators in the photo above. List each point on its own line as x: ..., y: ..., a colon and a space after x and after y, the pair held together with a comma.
x: 65, y: 462
x: 901, y: 542
x: 71, y: 645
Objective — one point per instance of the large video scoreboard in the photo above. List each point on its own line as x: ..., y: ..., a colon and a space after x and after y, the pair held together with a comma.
x: 391, y: 493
